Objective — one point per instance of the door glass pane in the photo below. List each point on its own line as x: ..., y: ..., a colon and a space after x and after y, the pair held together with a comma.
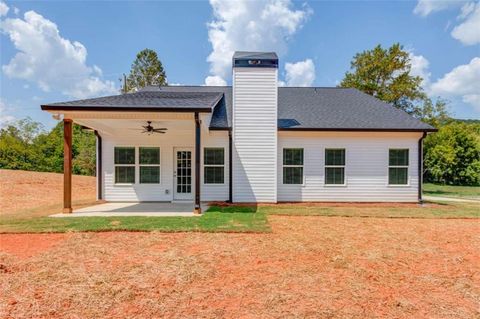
x: 184, y: 171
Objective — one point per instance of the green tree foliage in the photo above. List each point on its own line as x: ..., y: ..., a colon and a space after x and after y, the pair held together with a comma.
x: 146, y: 70
x: 452, y: 155
x: 435, y: 114
x: 26, y: 145
x: 385, y: 74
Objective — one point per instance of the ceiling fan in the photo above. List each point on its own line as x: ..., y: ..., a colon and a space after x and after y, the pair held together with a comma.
x: 149, y: 129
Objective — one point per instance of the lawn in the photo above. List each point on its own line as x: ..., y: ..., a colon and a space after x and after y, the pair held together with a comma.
x: 469, y: 192
x: 379, y: 210
x: 212, y: 221
x: 233, y: 218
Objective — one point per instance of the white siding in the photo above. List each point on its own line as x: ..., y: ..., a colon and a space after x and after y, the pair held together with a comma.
x: 180, y: 134
x: 255, y: 134
x: 366, y: 169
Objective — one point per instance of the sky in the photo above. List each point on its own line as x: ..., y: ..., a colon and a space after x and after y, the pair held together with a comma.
x: 64, y: 50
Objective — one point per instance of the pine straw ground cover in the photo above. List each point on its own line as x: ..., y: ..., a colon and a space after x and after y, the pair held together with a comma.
x: 307, y: 267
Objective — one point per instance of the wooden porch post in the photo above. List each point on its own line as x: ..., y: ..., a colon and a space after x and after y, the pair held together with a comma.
x: 67, y: 166
x: 197, y: 209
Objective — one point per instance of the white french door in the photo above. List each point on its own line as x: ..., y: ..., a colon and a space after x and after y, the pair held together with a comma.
x: 183, y: 174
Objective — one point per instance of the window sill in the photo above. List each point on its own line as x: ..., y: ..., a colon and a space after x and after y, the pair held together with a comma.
x: 214, y: 184
x: 335, y: 185
x: 124, y: 184
x: 399, y: 185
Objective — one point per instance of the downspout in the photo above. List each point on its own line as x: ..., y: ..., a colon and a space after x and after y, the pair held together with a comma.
x: 99, y: 165
x: 197, y: 208
x: 230, y: 168
x: 420, y: 167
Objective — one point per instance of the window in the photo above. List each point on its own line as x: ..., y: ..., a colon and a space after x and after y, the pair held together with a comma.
x: 293, y: 166
x: 124, y: 165
x: 149, y: 165
x: 335, y: 166
x: 398, y: 167
x: 213, y: 165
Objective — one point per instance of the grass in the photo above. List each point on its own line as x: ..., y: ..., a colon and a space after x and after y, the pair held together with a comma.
x: 233, y: 218
x: 213, y: 220
x: 469, y: 192
x: 428, y: 210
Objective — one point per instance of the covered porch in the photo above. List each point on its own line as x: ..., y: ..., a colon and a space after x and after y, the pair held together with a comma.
x: 150, y: 146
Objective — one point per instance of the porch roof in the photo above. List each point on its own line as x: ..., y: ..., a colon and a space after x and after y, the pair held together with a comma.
x: 144, y: 101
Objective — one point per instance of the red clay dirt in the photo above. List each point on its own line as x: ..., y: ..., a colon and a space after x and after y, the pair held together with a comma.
x: 308, y: 267
x: 29, y: 246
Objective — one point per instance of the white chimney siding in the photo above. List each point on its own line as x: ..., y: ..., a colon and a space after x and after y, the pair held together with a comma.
x: 255, y: 100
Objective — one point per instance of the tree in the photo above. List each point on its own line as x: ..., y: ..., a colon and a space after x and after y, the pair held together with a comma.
x: 435, y: 114
x: 385, y: 74
x: 146, y: 70
x: 452, y: 155
x: 26, y: 145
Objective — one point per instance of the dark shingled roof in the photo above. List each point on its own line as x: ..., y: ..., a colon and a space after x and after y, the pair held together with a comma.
x: 299, y: 108
x: 147, y: 100
x: 310, y: 108
x: 255, y: 55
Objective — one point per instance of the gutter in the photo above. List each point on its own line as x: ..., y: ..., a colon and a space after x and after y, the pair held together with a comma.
x: 230, y: 167
x: 301, y: 129
x: 67, y: 108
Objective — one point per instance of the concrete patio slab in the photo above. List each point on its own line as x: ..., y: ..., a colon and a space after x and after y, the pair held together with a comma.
x: 152, y: 209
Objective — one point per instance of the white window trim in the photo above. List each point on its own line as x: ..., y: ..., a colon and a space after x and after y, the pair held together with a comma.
x: 124, y: 165
x: 213, y: 165
x: 150, y: 165
x: 286, y: 165
x: 344, y: 166
x: 398, y: 166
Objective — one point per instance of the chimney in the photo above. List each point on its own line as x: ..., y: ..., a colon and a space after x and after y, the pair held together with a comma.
x: 255, y: 105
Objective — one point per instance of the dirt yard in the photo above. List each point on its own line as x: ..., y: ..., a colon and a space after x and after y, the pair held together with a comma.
x: 31, y: 192
x: 308, y: 267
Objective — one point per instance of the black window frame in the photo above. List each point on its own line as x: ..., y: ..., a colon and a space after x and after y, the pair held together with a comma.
x: 155, y: 164
x: 334, y: 167
x: 395, y: 164
x: 207, y: 166
x: 117, y: 162
x: 290, y: 165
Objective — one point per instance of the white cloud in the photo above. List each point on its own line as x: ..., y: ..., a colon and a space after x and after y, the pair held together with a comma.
x: 215, y: 80
x: 53, y: 62
x: 301, y: 73
x: 420, y: 67
x: 462, y: 81
x: 466, y: 9
x: 247, y: 25
x: 425, y: 7
x: 16, y: 11
x: 3, y: 9
x: 4, y: 117
x: 468, y: 32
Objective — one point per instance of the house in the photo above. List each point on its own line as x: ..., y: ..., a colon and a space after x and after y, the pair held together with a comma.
x: 251, y: 142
